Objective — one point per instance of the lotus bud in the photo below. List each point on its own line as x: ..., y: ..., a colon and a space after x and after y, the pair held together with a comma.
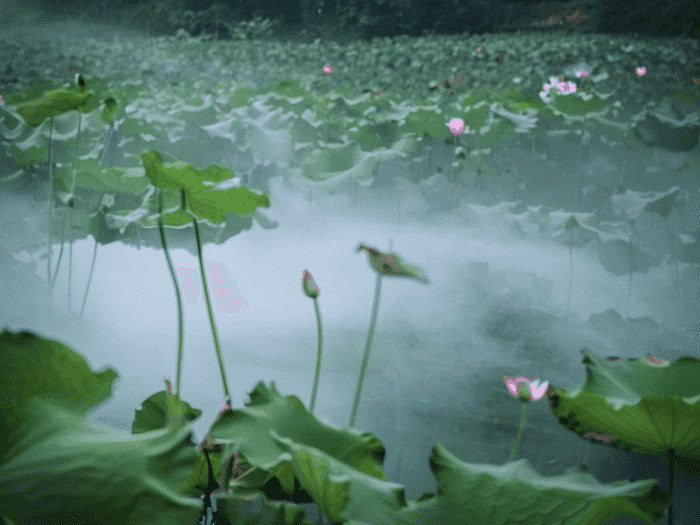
x: 309, y: 285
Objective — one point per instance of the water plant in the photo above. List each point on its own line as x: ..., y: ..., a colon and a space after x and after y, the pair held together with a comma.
x: 195, y: 198
x: 385, y: 264
x: 34, y: 113
x: 312, y: 291
x: 525, y: 390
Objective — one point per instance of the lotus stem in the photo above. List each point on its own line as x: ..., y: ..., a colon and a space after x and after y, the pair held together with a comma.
x: 365, y: 355
x: 70, y: 212
x: 48, y: 268
x: 60, y: 253
x: 87, y: 288
x: 317, y: 375
x: 217, y: 345
x: 571, y: 268
x: 520, y: 434
x: 180, y: 322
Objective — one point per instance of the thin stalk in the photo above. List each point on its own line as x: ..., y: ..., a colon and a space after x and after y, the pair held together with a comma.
x: 70, y: 212
x: 675, y: 273
x: 629, y: 285
x: 317, y: 376
x: 368, y: 344
x: 453, y: 175
x: 70, y: 261
x: 571, y: 268
x: 180, y: 322
x: 60, y: 253
x: 520, y: 434
x: 48, y: 268
x: 217, y: 345
x: 92, y: 269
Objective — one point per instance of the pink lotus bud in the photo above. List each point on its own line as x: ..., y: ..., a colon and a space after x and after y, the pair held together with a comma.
x: 328, y: 69
x: 309, y: 285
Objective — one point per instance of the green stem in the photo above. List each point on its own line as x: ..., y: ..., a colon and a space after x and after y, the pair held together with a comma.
x: 368, y: 344
x: 453, y: 174
x: 70, y: 260
x: 180, y: 323
x: 317, y: 375
x: 217, y: 345
x: 520, y: 434
x: 60, y: 253
x: 92, y: 268
x: 629, y: 285
x: 571, y: 268
x: 70, y: 212
x: 48, y: 268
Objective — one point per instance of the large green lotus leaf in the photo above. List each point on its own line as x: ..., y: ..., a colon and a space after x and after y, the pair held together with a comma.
x: 477, y: 494
x: 33, y: 366
x: 12, y: 126
x: 475, y: 117
x: 100, y: 230
x: 90, y: 174
x: 295, y: 105
x: 153, y: 414
x: 271, y: 128
x: 579, y: 105
x: 500, y: 133
x: 241, y: 97
x: 35, y: 91
x: 646, y: 405
x: 426, y: 120
x: 197, y: 110
x: 64, y: 469
x: 52, y: 104
x: 290, y: 88
x: 28, y: 156
x: 630, y: 204
x: 112, y: 97
x: 211, y: 194
x: 131, y: 126
x: 243, y: 510
x: 179, y: 176
x: 253, y: 431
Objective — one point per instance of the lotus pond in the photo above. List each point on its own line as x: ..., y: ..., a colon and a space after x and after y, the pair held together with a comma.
x: 310, y: 304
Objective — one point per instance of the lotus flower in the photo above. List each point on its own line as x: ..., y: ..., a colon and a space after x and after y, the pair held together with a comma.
x: 525, y: 390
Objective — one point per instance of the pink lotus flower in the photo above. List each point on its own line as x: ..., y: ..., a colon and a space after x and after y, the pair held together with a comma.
x: 478, y: 49
x: 328, y: 69
x: 524, y: 389
x: 456, y: 126
x: 641, y: 71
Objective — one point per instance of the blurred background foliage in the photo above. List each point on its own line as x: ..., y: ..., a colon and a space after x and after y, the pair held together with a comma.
x: 305, y: 20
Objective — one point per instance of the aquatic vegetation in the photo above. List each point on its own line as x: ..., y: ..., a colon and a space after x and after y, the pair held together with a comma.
x: 525, y: 390
x: 311, y: 290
